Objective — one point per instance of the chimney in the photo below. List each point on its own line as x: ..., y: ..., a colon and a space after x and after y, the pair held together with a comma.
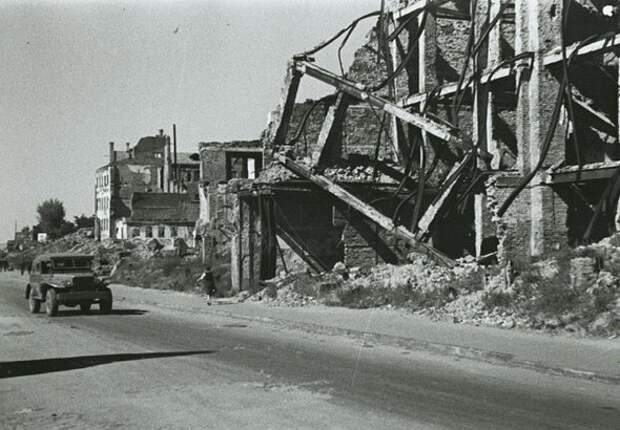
x: 161, y: 131
x: 166, y: 179
x: 128, y: 149
x: 112, y: 153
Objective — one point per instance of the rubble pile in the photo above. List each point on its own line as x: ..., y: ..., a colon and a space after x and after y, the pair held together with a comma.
x: 582, y: 298
x: 356, y: 174
x: 299, y: 289
x: 275, y: 173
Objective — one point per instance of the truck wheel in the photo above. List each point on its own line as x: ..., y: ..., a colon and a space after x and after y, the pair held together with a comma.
x: 51, y: 303
x: 34, y: 305
x: 85, y: 307
x: 105, y: 305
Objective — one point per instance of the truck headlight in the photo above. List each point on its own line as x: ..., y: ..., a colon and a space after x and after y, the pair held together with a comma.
x: 66, y: 284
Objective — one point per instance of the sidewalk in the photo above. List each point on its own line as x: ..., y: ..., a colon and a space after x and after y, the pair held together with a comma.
x: 584, y: 358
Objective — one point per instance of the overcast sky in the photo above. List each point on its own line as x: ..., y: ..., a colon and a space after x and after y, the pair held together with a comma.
x: 75, y: 75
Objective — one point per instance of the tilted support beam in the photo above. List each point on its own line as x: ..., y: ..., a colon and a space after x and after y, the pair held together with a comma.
x: 365, y: 209
x: 331, y: 125
x: 432, y: 211
x: 315, y: 264
x: 603, y: 121
x: 555, y: 55
x: 287, y: 103
x: 358, y: 91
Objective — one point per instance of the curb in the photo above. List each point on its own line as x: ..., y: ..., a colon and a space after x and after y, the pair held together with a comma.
x: 471, y: 353
x: 491, y: 357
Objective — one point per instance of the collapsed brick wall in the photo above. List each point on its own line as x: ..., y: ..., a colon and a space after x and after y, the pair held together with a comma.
x: 360, y: 132
x: 519, y: 109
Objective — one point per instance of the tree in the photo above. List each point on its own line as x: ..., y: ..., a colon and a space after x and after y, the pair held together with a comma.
x: 84, y: 221
x: 51, y: 214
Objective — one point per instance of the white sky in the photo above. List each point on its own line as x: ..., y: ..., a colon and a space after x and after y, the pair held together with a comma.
x: 75, y: 75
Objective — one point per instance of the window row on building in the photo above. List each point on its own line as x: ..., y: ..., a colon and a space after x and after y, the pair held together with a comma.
x: 103, y: 203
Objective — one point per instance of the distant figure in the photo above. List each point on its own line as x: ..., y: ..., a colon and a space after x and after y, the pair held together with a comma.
x: 23, y: 266
x: 208, y: 283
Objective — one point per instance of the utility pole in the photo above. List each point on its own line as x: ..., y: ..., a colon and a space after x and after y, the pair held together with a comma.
x: 176, y: 167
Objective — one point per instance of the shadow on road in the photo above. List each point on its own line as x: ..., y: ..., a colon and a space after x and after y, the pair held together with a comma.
x: 12, y: 369
x: 77, y: 312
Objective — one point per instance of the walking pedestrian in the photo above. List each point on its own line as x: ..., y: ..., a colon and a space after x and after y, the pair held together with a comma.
x: 208, y: 283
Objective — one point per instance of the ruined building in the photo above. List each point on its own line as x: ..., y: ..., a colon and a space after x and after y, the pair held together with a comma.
x: 486, y: 128
x: 152, y: 166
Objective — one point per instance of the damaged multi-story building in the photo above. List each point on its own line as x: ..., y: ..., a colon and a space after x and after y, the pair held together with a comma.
x: 486, y: 128
x: 150, y: 190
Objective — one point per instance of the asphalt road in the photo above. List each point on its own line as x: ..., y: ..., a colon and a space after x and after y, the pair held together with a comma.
x: 150, y: 367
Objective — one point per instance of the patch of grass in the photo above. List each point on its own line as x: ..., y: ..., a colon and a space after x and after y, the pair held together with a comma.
x: 174, y: 273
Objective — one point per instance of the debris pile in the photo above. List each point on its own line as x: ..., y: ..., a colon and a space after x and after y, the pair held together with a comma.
x: 358, y: 173
x: 299, y: 289
x: 578, y: 293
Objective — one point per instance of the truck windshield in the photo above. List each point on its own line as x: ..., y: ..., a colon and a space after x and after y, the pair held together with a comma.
x: 74, y: 264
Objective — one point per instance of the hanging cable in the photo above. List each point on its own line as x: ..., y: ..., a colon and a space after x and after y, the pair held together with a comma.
x: 411, y: 51
x: 329, y: 41
x: 344, y: 41
x: 302, y: 125
x: 458, y: 100
x: 549, y: 136
x: 543, y: 154
x: 568, y: 89
x: 470, y: 41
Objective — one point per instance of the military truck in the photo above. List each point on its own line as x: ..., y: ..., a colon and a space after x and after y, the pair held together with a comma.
x: 68, y: 280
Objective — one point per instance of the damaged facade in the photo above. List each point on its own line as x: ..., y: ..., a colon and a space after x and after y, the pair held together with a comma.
x: 153, y: 165
x: 482, y: 128
x: 159, y: 215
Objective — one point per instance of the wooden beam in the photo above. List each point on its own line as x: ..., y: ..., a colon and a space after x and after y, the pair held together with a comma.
x: 331, y: 125
x: 432, y: 211
x: 606, y: 123
x: 368, y: 211
x: 287, y: 103
x: 588, y: 172
x: 555, y: 55
x: 358, y: 91
x: 449, y: 89
x: 314, y: 264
